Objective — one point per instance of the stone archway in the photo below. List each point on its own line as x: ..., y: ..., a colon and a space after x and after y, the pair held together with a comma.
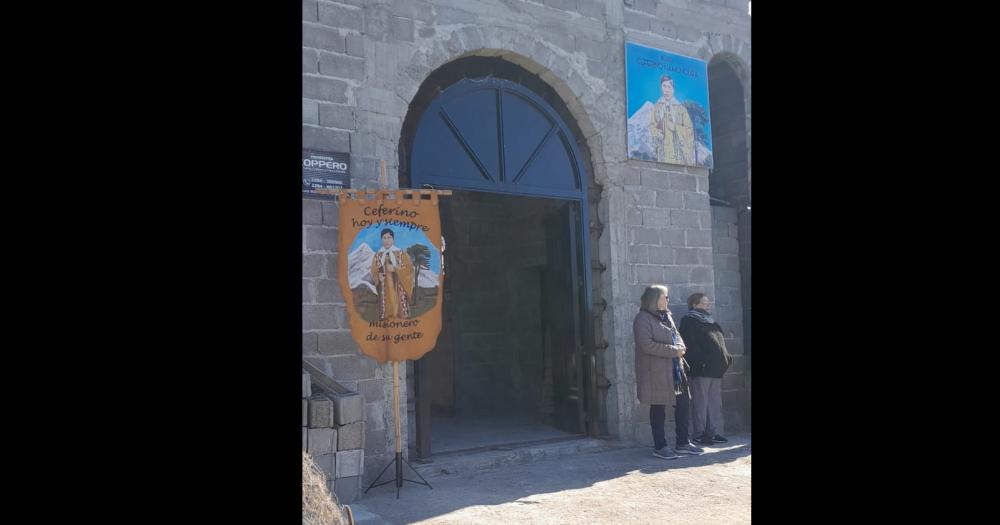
x: 532, y: 89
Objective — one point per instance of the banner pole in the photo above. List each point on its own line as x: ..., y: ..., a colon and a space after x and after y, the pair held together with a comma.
x: 398, y: 460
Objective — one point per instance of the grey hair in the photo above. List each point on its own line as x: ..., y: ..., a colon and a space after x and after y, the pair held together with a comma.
x: 652, y: 295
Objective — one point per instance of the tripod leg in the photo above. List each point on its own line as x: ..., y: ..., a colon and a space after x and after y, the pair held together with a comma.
x: 417, y: 473
x: 380, y: 475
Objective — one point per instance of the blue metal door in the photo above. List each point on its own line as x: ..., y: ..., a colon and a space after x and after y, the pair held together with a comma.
x: 494, y: 135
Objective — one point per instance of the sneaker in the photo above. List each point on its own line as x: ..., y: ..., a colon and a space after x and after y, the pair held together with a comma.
x: 690, y: 449
x: 719, y: 439
x: 702, y: 442
x: 665, y: 453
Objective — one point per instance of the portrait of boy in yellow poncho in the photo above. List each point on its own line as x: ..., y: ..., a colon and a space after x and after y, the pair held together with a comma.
x: 392, y: 272
x: 671, y: 128
x: 667, y: 108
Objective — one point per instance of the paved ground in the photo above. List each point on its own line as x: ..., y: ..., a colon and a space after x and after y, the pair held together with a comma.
x: 626, y: 485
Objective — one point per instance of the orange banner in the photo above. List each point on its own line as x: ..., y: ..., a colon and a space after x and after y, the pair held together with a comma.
x: 391, y: 271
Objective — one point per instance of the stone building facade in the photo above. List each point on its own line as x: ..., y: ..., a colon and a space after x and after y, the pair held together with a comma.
x: 366, y: 66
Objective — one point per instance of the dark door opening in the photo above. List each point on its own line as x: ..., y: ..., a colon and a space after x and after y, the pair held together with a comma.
x: 518, y: 328
x: 508, y: 366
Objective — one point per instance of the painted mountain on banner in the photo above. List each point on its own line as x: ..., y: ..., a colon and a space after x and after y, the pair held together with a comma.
x: 359, y: 270
x: 365, y: 295
x: 427, y: 279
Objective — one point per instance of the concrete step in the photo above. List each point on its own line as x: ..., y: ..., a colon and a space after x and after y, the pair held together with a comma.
x: 453, y: 463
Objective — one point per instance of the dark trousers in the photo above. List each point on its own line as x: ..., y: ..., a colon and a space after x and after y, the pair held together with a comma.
x: 657, y: 415
x: 682, y: 414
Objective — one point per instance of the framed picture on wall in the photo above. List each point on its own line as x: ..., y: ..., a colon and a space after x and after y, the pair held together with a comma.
x: 667, y: 107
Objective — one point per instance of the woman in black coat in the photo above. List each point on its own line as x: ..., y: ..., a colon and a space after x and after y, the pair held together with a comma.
x: 709, y: 361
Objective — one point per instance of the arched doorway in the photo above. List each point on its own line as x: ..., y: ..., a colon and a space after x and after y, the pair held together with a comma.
x: 514, y: 361
x: 729, y: 189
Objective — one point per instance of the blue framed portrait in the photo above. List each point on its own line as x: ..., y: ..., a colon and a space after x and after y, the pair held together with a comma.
x: 667, y: 107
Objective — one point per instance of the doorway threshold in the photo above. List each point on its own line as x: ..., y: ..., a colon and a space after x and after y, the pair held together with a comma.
x: 509, y: 446
x: 496, y: 456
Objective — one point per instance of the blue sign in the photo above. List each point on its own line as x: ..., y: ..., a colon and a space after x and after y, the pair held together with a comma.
x: 667, y: 107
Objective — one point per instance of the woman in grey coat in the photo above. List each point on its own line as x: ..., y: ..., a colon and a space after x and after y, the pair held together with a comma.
x: 657, y: 343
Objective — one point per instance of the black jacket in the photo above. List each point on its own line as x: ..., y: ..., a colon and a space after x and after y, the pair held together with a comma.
x: 706, y: 348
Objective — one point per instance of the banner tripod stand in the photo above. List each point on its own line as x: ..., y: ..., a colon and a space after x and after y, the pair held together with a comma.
x: 399, y: 459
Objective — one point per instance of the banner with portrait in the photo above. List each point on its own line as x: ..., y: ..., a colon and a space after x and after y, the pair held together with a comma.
x: 391, y: 271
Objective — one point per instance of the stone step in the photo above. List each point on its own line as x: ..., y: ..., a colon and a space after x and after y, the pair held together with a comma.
x: 451, y: 463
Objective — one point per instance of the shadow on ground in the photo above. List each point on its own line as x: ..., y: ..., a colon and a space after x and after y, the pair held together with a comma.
x: 515, y: 482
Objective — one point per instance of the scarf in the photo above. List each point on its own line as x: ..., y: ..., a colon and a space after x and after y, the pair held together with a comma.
x: 665, y: 317
x: 391, y: 252
x: 701, y: 316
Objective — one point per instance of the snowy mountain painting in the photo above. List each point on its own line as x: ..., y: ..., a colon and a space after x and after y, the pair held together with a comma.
x: 640, y: 140
x: 359, y: 278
